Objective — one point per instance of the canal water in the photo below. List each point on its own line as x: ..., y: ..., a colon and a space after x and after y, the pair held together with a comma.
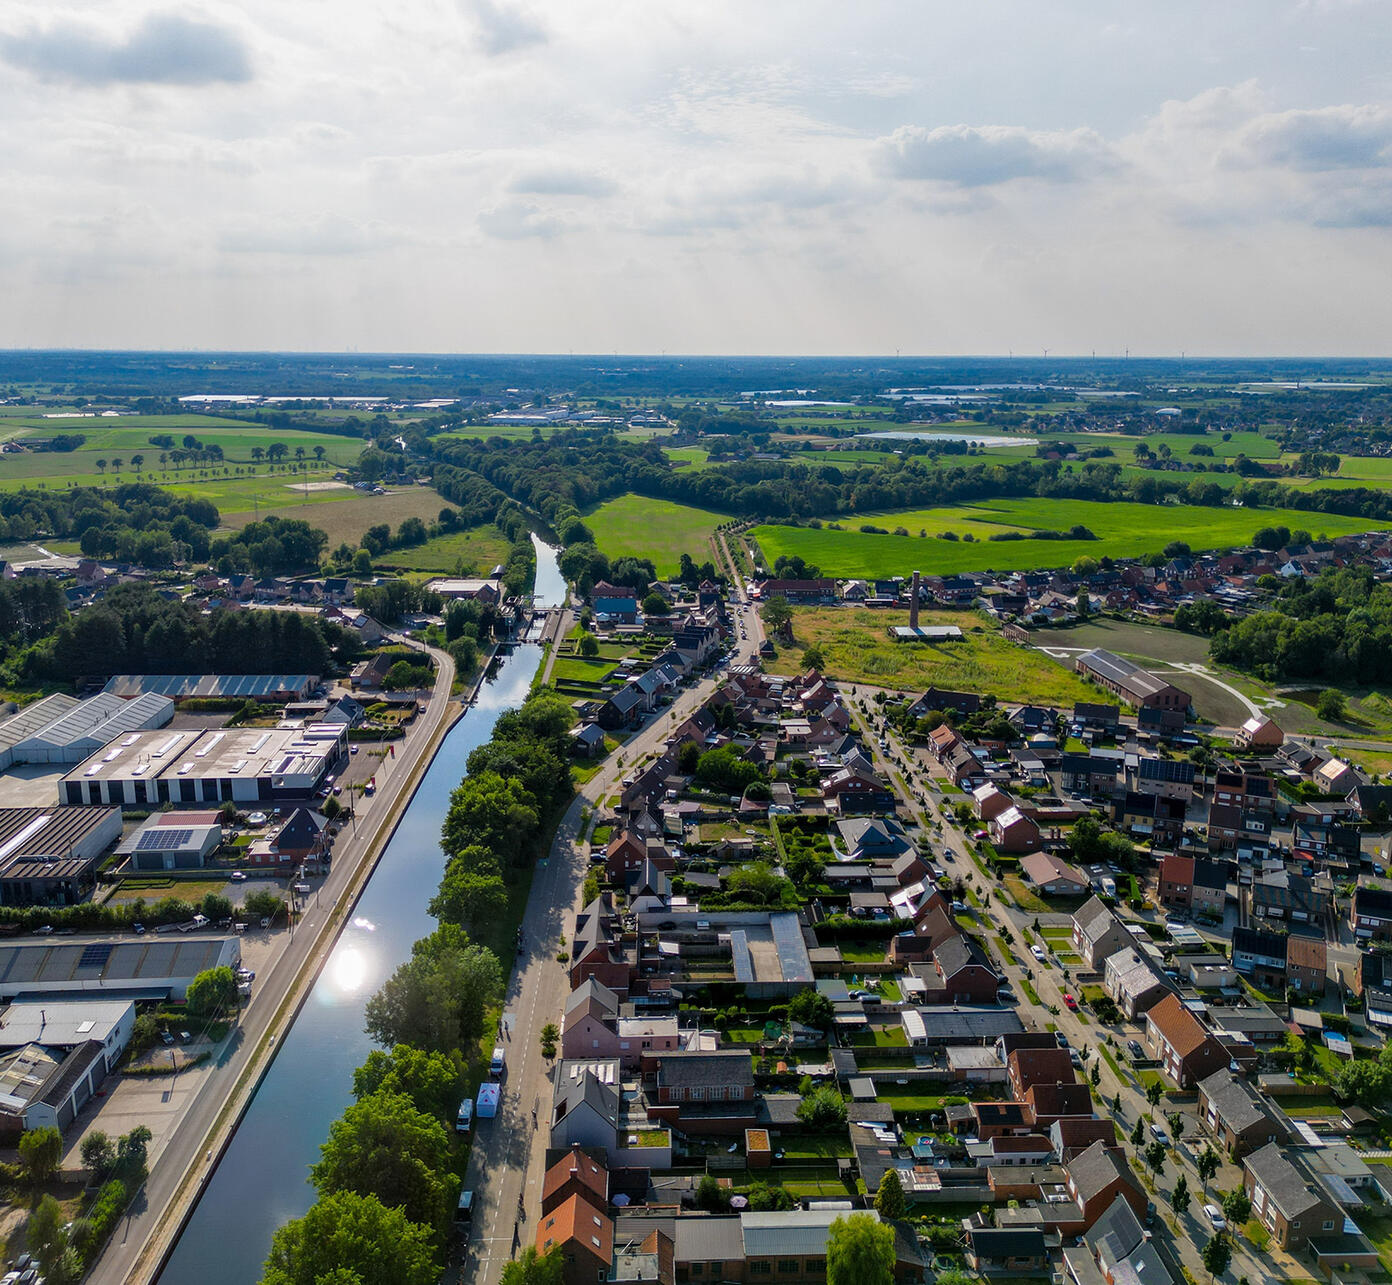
x: 262, y: 1179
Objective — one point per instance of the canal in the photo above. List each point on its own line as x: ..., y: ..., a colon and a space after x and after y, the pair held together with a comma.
x: 262, y: 1179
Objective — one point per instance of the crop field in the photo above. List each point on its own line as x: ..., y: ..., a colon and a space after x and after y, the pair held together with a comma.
x: 348, y: 517
x: 634, y: 526
x: 1123, y: 530
x: 461, y: 553
x: 857, y: 648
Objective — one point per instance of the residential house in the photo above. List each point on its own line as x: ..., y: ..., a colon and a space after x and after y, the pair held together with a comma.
x: 1288, y: 1197
x: 1324, y: 831
x: 1260, y: 953
x: 1292, y: 898
x: 1013, y: 831
x: 1176, y: 1039
x: 1232, y: 828
x: 1072, y: 1135
x: 1259, y: 734
x: 1370, y: 914
x: 1237, y: 1115
x: 597, y: 948
x: 585, y: 1106
x: 989, y: 801
x: 1191, y: 883
x: 1151, y: 817
x: 704, y: 1093
x: 1250, y: 791
x: 1097, y: 933
x: 584, y: 1234
x: 849, y: 792
x: 1097, y: 1176
x: 1133, y: 983
x: 578, y: 1173
x: 1334, y: 776
x: 589, y: 1028
x: 1053, y: 876
x: 1027, y: 1067
x: 807, y: 591
x: 1006, y: 1251
x: 959, y: 973
x: 1097, y: 717
x: 1089, y: 773
x: 1167, y: 778
x: 939, y: 700
x: 625, y: 708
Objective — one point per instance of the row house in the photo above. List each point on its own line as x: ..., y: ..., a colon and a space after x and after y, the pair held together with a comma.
x: 1094, y: 717
x: 807, y: 591
x: 1288, y: 1198
x: 1159, y: 820
x: 1250, y: 791
x: 1289, y: 897
x: 1231, y: 828
x: 1167, y: 778
x: 1237, y: 1116
x: 1098, y: 933
x: 1089, y: 773
x: 1370, y: 914
x: 1176, y: 1039
x: 1133, y: 983
x: 1260, y: 953
x: 1322, y: 832
x: 1191, y: 883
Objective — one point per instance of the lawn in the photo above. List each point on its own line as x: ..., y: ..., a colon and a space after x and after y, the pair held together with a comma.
x: 349, y: 514
x: 634, y: 526
x: 461, y: 553
x: 856, y: 647
x: 1123, y: 530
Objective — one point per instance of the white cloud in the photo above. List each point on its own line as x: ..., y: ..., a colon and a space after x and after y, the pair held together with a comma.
x: 163, y: 48
x: 984, y: 155
x: 505, y: 27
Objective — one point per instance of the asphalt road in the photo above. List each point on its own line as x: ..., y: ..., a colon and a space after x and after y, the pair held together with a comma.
x: 182, y: 1166
x: 506, y: 1165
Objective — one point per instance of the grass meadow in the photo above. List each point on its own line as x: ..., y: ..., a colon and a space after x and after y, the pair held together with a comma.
x: 634, y: 526
x: 1123, y: 530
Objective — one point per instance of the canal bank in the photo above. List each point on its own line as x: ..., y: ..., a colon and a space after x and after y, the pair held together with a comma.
x: 260, y: 1181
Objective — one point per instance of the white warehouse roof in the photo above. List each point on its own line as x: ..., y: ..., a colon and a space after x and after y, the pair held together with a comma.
x: 91, y: 725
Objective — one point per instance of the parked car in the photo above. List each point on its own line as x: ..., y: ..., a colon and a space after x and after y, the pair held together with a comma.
x: 238, y: 876
x: 1070, y: 1003
x: 1038, y: 953
x: 1134, y: 1048
x: 1215, y: 1218
x: 1159, y: 1135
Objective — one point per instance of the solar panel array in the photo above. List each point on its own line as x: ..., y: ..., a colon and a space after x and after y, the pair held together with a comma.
x: 163, y: 839
x: 95, y: 954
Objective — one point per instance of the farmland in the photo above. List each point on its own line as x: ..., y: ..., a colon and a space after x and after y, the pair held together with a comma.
x: 857, y: 648
x: 1123, y: 530
x: 463, y: 553
x: 351, y: 513
x: 634, y: 526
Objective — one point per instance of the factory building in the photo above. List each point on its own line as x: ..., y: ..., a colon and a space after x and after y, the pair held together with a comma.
x: 155, y: 967
x: 65, y: 730
x: 237, y: 765
x: 49, y: 856
x: 173, y: 841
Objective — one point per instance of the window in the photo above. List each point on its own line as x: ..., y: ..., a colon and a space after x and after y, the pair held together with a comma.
x: 788, y: 1266
x: 1295, y: 1222
x: 1329, y: 1226
x: 761, y: 1267
x: 698, y: 1269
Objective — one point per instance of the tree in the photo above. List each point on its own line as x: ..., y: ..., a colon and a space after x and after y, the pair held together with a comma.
x: 655, y: 605
x: 1237, y: 1205
x: 98, y: 1155
x: 1155, y: 1090
x: 824, y: 1109
x: 531, y: 1268
x: 383, y: 1146
x: 777, y: 614
x: 711, y: 1196
x: 1207, y: 1165
x: 812, y: 1008
x: 430, y: 1080
x: 889, y: 1200
x: 213, y: 991
x: 40, y: 1150
x: 132, y: 1155
x: 813, y: 657
x: 1138, y: 1132
x: 347, y: 1232
x: 859, y: 1251
x: 468, y: 898
x: 45, y: 1235
x: 1217, y: 1254
x: 1176, y: 1122
x: 1095, y: 1075
x: 1179, y: 1197
x: 1155, y: 1156
x: 588, y: 646
x: 332, y: 807
x: 550, y: 1033
x: 1331, y: 706
x: 437, y: 999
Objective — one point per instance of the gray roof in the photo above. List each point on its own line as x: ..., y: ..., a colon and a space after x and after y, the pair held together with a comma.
x: 1094, y: 1168
x: 1287, y: 1179
x: 588, y: 990
x: 571, y: 1093
x: 945, y: 1022
x: 708, y: 1240
x: 957, y: 953
x: 800, y: 1233
x: 1095, y: 918
x: 1236, y: 1101
x: 1175, y: 771
x: 1117, y: 1233
x: 728, y: 1067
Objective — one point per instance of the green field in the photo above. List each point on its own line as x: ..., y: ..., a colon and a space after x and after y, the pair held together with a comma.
x: 634, y: 526
x: 857, y: 648
x: 461, y: 553
x: 1123, y: 530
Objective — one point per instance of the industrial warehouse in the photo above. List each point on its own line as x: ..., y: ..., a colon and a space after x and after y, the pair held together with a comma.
x: 238, y: 765
x: 49, y: 856
x: 150, y: 967
x: 61, y: 729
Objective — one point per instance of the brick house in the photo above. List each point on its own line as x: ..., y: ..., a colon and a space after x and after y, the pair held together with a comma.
x: 1097, y: 933
x: 1237, y: 1115
x: 1288, y: 1197
x: 1175, y: 1038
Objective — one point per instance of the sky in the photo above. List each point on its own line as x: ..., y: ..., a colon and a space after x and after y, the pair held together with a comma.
x: 699, y: 177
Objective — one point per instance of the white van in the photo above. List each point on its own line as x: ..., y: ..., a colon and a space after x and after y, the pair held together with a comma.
x: 464, y: 1121
x: 495, y: 1067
